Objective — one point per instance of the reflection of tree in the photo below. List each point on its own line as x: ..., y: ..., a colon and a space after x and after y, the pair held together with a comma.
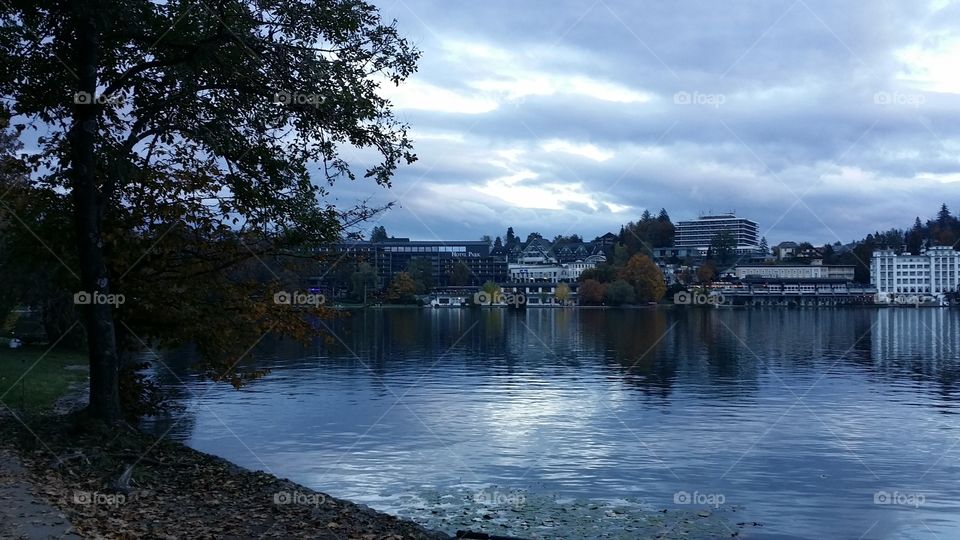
x: 635, y: 342
x: 721, y: 354
x: 171, y: 370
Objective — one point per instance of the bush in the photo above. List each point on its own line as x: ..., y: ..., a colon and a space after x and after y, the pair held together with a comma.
x: 619, y: 293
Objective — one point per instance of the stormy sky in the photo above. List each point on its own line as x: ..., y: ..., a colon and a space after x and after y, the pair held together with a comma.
x: 822, y: 120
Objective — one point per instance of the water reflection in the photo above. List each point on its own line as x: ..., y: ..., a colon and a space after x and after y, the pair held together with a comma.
x: 799, y: 416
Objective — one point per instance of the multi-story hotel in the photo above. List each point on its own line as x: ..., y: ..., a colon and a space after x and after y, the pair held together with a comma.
x: 933, y: 272
x: 699, y: 233
x: 391, y: 256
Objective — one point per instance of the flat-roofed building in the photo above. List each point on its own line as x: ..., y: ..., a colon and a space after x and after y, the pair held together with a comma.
x: 391, y: 256
x: 935, y: 271
x: 795, y: 271
x: 699, y: 233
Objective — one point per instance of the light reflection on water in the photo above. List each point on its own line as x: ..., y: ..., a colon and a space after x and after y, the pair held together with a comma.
x: 797, y: 417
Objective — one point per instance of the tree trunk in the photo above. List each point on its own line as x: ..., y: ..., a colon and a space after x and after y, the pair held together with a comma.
x: 88, y: 204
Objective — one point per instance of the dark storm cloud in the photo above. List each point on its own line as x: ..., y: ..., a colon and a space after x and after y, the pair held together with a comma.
x: 820, y: 120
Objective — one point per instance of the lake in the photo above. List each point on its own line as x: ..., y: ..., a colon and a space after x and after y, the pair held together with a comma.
x: 786, y: 423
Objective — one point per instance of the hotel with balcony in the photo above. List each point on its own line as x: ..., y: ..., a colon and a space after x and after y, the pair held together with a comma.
x: 696, y: 235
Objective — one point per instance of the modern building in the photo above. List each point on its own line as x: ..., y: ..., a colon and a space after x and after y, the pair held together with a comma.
x: 935, y: 271
x: 795, y: 271
x: 391, y: 256
x: 699, y: 233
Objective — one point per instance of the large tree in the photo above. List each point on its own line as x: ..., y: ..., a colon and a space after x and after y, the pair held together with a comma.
x: 187, y: 138
x: 723, y: 247
x: 421, y: 270
x: 460, y: 274
x: 591, y: 292
x: 646, y: 278
x: 379, y: 234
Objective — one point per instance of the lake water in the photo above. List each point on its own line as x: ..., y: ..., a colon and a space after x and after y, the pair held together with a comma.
x: 813, y: 423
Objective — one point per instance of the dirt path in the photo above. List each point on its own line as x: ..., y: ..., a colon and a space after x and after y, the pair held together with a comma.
x: 22, y: 513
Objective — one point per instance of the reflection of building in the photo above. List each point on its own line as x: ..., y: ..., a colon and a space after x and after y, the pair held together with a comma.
x: 933, y: 272
x: 700, y: 233
x: 797, y: 271
x: 920, y: 335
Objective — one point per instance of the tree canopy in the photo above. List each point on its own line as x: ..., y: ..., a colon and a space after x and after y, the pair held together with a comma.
x: 185, y: 141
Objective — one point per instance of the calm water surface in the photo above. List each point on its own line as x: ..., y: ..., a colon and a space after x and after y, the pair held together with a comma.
x: 830, y: 423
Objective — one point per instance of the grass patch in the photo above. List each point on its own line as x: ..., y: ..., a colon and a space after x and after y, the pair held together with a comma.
x: 32, y: 380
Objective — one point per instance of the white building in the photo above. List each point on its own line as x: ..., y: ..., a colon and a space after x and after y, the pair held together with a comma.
x: 795, y: 271
x: 698, y: 234
x: 520, y: 272
x: 933, y: 272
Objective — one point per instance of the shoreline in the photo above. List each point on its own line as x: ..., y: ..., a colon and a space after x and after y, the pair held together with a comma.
x: 175, y: 490
x: 73, y: 484
x: 637, y: 307
x: 54, y: 477
x: 67, y: 476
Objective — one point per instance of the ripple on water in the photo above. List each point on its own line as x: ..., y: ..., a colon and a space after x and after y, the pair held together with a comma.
x: 798, y: 418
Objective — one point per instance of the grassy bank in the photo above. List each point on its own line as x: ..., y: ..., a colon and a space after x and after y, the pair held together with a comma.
x: 31, y: 378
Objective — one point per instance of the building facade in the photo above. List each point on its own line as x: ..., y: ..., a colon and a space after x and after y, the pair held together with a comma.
x: 391, y: 256
x: 795, y: 271
x: 699, y: 233
x: 524, y: 273
x: 787, y: 291
x: 934, y: 272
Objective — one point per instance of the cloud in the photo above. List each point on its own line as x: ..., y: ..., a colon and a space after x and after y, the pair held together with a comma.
x: 588, y: 151
x: 818, y: 120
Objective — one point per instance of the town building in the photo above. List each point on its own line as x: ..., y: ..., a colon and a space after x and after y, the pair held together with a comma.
x: 795, y: 271
x: 391, y: 256
x: 699, y: 233
x: 537, y: 251
x: 785, y: 250
x: 539, y: 294
x: 790, y: 291
x: 531, y: 272
x: 936, y: 271
x: 675, y: 253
